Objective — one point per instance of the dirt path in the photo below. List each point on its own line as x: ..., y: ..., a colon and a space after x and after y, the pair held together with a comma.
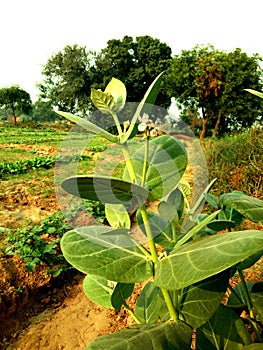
x: 71, y: 326
x: 69, y: 320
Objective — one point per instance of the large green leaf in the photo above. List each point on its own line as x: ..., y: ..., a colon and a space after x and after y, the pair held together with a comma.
x: 166, y: 336
x: 199, y: 301
x: 104, y: 189
x: 106, y: 252
x: 99, y: 290
x: 145, y: 308
x: 200, y: 259
x: 253, y: 347
x: 85, y: 124
x: 251, y: 208
x: 224, y: 331
x: 167, y: 161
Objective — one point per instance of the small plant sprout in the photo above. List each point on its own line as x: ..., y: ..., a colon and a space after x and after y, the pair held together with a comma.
x: 178, y: 258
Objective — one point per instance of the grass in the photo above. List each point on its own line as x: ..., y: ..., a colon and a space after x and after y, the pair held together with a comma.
x: 237, y: 162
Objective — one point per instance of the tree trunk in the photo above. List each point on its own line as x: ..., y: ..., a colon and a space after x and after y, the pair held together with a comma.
x: 203, y: 132
x: 217, y: 124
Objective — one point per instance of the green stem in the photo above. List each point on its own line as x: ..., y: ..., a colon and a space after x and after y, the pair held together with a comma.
x: 117, y: 123
x: 145, y: 161
x: 127, y: 156
x: 169, y: 304
x: 149, y: 234
x: 249, y: 305
x: 126, y: 306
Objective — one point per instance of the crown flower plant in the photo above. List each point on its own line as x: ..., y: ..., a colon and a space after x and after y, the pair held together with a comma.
x: 182, y: 264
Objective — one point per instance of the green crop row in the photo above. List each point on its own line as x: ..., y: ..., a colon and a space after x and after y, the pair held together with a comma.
x: 40, y: 244
x: 44, y: 162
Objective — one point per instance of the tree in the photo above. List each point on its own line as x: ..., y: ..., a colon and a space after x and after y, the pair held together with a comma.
x: 15, y: 99
x: 213, y: 82
x: 70, y: 74
x: 42, y: 112
x: 67, y: 80
x: 136, y: 62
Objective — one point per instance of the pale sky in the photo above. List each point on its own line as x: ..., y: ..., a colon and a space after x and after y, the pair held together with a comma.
x: 33, y: 30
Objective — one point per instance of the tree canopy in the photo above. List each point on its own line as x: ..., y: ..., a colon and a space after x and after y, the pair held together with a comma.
x: 70, y: 74
x: 67, y: 80
x: 15, y: 99
x: 212, y: 82
x: 136, y: 62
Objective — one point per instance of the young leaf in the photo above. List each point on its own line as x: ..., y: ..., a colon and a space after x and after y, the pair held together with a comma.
x: 206, y: 257
x: 121, y: 292
x: 168, y: 336
x: 102, y: 100
x: 106, y: 252
x: 117, y: 90
x: 173, y: 207
x: 251, y: 208
x: 104, y: 189
x: 117, y: 215
x: 161, y: 230
x: 99, y: 290
x: 145, y: 308
x: 85, y: 124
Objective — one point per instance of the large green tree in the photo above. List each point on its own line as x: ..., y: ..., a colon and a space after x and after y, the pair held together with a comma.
x: 16, y: 100
x: 136, y: 62
x: 67, y: 80
x: 70, y: 74
x: 212, y: 82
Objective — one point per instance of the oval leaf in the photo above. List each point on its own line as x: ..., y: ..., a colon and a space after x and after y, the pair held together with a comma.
x: 117, y: 90
x: 99, y: 290
x: 145, y: 308
x: 205, y: 257
x: 117, y: 216
x: 104, y: 189
x: 251, y: 208
x: 167, y: 161
x: 102, y: 100
x: 168, y: 336
x: 105, y: 252
x: 122, y: 291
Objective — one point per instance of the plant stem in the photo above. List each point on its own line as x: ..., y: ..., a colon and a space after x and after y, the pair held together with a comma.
x: 249, y: 305
x: 127, y: 156
x: 126, y: 306
x: 149, y: 234
x: 169, y: 304
x: 117, y: 123
x: 145, y: 161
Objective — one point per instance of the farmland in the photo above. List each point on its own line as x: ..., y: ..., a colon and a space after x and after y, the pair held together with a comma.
x: 31, y: 222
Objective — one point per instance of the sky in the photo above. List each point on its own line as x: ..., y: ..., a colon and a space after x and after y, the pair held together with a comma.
x: 34, y: 30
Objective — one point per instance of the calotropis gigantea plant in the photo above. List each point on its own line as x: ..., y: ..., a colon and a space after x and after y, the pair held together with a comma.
x: 185, y: 273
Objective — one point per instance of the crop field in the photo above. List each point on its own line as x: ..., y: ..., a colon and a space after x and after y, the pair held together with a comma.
x: 31, y: 221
